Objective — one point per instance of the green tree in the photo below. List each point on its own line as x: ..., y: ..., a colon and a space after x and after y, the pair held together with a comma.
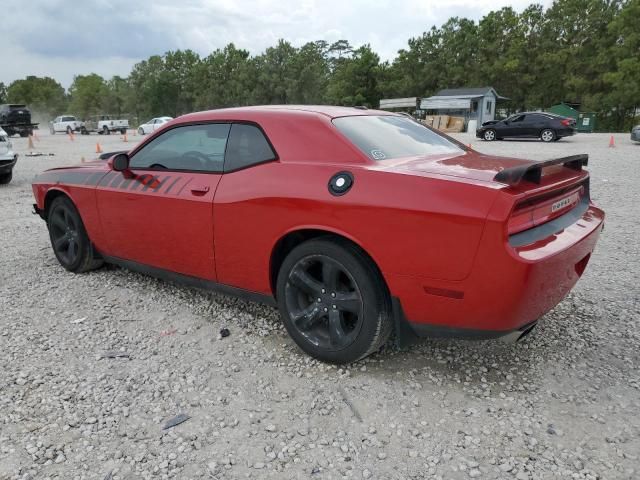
x: 355, y: 79
x: 87, y: 94
x: 225, y: 78
x: 3, y: 93
x: 621, y: 95
x: 42, y: 94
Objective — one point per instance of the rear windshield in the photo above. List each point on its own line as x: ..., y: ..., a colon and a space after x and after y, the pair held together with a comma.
x: 382, y: 137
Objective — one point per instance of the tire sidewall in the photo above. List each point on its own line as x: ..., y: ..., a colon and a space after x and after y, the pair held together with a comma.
x: 373, y: 308
x: 84, y: 245
x: 484, y: 136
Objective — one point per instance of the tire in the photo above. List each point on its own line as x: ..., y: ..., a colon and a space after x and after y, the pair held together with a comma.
x: 489, y: 135
x: 547, y: 135
x: 69, y: 239
x: 333, y: 301
x: 105, y: 130
x: 69, y: 131
x: 6, y: 178
x: 123, y: 131
x: 24, y: 133
x: 83, y: 131
x: 52, y: 131
x: 140, y: 131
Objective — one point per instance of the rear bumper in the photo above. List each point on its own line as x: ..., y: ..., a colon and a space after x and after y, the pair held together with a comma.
x: 509, y: 288
x: 565, y: 132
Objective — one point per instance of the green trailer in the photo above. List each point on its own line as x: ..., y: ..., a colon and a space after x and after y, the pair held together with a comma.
x: 585, y: 121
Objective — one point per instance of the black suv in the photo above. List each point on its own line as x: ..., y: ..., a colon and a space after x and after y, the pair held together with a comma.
x: 15, y: 118
x: 548, y: 127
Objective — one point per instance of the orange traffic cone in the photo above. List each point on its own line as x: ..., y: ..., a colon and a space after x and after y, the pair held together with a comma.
x: 98, y: 148
x: 35, y: 136
x: 125, y: 138
x: 612, y: 142
x: 470, y: 147
x: 31, y: 147
x: 71, y: 137
x: 134, y: 132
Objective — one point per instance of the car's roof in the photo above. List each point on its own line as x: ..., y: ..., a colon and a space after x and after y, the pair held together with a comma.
x: 249, y: 113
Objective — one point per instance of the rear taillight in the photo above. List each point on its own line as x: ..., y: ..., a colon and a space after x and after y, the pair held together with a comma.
x: 566, y: 122
x: 530, y: 213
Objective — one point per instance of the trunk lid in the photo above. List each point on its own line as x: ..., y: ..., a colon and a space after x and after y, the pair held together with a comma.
x: 466, y: 164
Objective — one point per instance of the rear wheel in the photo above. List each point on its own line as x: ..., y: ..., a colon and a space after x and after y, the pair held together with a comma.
x: 105, y: 130
x: 489, y: 135
x: 69, y: 239
x: 123, y: 131
x: 333, y: 301
x: 6, y: 178
x: 547, y: 135
x: 52, y: 131
x: 140, y: 131
x: 69, y: 131
x: 24, y: 133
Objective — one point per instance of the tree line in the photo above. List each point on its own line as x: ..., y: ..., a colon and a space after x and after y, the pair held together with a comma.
x: 580, y: 51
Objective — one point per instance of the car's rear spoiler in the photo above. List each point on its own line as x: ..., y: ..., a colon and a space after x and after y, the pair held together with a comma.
x: 532, y: 172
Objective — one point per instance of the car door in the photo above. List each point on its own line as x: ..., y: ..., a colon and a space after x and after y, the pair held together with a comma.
x: 514, y: 126
x: 239, y: 210
x: 156, y: 124
x: 535, y: 123
x: 160, y: 213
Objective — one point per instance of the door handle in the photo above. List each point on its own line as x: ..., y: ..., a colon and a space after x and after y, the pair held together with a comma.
x: 200, y: 189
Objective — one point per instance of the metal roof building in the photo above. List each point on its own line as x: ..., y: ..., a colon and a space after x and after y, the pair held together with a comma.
x: 477, y: 104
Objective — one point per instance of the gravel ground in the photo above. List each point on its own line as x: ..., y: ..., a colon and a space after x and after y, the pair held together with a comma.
x: 93, y: 365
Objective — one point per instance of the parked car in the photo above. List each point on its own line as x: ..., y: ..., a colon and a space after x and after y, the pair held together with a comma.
x: 16, y: 118
x: 353, y: 222
x: 65, y: 124
x: 548, y: 127
x: 635, y: 133
x: 105, y: 124
x: 153, y: 124
x: 8, y: 158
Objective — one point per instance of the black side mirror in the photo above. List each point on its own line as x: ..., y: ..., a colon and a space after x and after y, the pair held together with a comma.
x: 120, y: 162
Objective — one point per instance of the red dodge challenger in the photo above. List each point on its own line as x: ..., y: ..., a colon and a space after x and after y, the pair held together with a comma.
x: 355, y: 223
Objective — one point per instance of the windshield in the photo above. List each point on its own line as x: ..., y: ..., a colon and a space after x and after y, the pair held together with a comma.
x: 383, y: 137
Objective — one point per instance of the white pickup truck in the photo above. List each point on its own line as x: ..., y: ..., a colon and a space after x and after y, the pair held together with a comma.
x: 105, y: 124
x: 65, y: 124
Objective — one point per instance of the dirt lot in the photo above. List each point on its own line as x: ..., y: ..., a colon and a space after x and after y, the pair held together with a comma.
x: 565, y: 403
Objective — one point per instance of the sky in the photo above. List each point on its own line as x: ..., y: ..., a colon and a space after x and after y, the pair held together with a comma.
x: 61, y: 39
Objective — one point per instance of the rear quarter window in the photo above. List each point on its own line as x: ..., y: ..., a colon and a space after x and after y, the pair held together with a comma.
x: 247, y: 146
x: 382, y: 137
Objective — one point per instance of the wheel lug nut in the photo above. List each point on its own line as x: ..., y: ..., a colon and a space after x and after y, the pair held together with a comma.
x: 326, y: 309
x: 319, y: 300
x: 333, y: 294
x: 334, y: 307
x: 324, y: 291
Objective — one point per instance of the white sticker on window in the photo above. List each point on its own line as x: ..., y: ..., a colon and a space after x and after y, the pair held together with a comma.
x: 378, y: 154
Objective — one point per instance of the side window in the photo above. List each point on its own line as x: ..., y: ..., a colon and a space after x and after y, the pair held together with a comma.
x: 247, y: 146
x: 488, y: 107
x: 193, y: 147
x: 519, y: 119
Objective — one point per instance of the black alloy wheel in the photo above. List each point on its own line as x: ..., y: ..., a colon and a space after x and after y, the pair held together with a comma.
x: 333, y: 302
x: 69, y: 239
x: 324, y: 302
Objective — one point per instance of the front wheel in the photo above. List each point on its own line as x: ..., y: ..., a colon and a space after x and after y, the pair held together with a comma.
x: 140, y: 131
x: 69, y: 239
x: 333, y: 301
x: 547, y: 135
x: 489, y: 135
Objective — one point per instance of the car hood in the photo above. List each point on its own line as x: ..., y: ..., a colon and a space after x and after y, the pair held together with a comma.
x: 469, y: 165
